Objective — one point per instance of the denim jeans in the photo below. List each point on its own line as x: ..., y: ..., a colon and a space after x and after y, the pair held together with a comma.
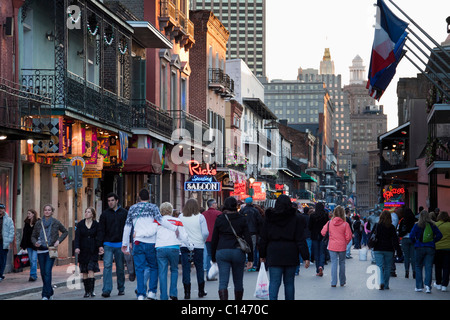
x: 318, y: 249
x: 186, y: 265
x: 337, y: 257
x: 424, y: 258
x: 32, y: 255
x: 46, y: 266
x: 308, y: 242
x: 409, y: 254
x: 349, y: 249
x: 3, y: 257
x: 144, y: 256
x: 287, y: 273
x: 231, y: 260
x: 117, y: 254
x: 168, y: 257
x: 384, y: 260
x: 207, y: 257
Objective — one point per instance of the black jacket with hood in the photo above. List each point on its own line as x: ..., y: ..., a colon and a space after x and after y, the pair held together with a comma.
x: 283, y: 236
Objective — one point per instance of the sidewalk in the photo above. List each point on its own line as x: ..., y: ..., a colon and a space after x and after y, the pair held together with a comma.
x: 17, y: 284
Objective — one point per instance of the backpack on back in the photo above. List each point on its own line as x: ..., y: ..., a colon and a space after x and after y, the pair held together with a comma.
x: 428, y: 235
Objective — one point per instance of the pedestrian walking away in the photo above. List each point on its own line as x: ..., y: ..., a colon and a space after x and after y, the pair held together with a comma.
x: 387, y: 243
x: 404, y: 228
x: 442, y: 257
x: 283, y: 239
x: 109, y: 237
x: 225, y: 249
x: 142, y: 218
x: 254, y: 221
x: 6, y: 238
x: 86, y: 247
x: 424, y: 235
x: 210, y: 215
x: 46, y: 234
x: 197, y: 229
x: 316, y: 222
x: 27, y: 244
x: 168, y: 251
x: 340, y: 235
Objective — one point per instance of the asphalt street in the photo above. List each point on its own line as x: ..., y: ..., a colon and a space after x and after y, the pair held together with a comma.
x: 360, y: 285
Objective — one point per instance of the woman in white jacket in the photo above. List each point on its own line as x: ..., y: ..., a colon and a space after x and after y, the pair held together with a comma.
x: 168, y: 251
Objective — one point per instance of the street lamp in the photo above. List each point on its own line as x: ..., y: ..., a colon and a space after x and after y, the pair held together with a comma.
x: 251, y: 179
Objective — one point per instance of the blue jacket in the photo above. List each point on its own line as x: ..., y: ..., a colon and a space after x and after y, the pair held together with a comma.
x: 416, y: 236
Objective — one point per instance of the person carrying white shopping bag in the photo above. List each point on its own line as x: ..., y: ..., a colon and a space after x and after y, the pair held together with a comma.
x: 262, y: 284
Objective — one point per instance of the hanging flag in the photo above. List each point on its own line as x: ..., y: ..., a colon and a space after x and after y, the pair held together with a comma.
x: 387, y: 50
x: 123, y: 139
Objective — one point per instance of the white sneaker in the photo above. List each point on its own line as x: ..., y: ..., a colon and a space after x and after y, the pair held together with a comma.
x: 428, y: 289
x: 418, y: 289
x: 437, y: 286
x: 140, y: 297
x: 444, y: 289
x: 151, y: 295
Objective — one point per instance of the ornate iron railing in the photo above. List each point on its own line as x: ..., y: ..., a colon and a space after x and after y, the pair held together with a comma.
x: 149, y: 116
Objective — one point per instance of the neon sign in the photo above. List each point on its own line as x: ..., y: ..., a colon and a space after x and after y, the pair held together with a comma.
x: 202, y: 177
x: 394, y: 196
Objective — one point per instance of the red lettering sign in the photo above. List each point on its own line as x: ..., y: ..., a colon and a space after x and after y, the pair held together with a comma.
x: 196, y: 169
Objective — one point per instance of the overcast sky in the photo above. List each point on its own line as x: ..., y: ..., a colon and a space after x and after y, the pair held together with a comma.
x: 298, y: 31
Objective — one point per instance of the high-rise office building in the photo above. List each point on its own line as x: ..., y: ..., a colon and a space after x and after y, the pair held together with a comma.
x: 245, y: 20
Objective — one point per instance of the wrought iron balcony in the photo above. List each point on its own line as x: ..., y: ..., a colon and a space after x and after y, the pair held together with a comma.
x: 220, y: 82
x: 81, y: 97
x: 195, y: 126
x: 149, y: 116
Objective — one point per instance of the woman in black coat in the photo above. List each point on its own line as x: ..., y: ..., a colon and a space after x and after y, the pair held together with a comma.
x: 86, y: 247
x: 225, y: 248
x: 283, y: 238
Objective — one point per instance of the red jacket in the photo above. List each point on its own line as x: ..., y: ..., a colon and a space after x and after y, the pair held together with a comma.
x: 211, y: 216
x: 340, y: 234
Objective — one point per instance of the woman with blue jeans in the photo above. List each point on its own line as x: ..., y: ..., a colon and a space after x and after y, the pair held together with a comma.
x: 283, y: 239
x: 387, y: 243
x: 340, y: 235
x: 168, y: 251
x: 27, y: 244
x: 48, y: 227
x: 424, y: 250
x: 225, y: 249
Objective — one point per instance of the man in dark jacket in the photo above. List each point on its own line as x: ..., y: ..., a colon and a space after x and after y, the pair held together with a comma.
x: 210, y: 215
x: 283, y: 238
x: 254, y: 221
x: 111, y: 225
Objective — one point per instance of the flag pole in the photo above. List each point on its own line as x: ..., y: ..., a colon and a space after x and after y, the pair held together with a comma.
x: 446, y: 74
x: 423, y: 31
x: 428, y: 77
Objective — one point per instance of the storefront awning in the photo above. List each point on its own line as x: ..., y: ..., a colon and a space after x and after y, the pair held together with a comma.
x: 142, y: 161
x: 305, y: 178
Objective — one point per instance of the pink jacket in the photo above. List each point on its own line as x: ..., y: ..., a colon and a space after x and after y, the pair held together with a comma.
x: 340, y: 234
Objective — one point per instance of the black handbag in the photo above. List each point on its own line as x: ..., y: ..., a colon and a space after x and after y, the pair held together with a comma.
x: 243, y: 245
x: 326, y: 237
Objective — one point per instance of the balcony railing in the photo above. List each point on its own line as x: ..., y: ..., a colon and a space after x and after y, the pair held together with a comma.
x: 82, y: 97
x: 219, y: 80
x: 149, y: 116
x: 195, y: 126
x: 18, y: 102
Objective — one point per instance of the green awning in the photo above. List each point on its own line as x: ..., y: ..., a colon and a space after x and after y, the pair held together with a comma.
x: 306, y: 178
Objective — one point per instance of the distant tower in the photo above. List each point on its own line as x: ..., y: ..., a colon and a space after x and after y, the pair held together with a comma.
x: 357, y: 71
x: 327, y: 65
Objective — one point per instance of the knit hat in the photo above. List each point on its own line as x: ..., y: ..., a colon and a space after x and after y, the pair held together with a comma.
x: 249, y: 200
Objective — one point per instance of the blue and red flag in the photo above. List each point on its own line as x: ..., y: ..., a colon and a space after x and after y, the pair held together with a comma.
x: 387, y: 50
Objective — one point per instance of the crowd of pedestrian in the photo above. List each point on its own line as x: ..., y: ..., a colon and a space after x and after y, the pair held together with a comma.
x: 153, y: 241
